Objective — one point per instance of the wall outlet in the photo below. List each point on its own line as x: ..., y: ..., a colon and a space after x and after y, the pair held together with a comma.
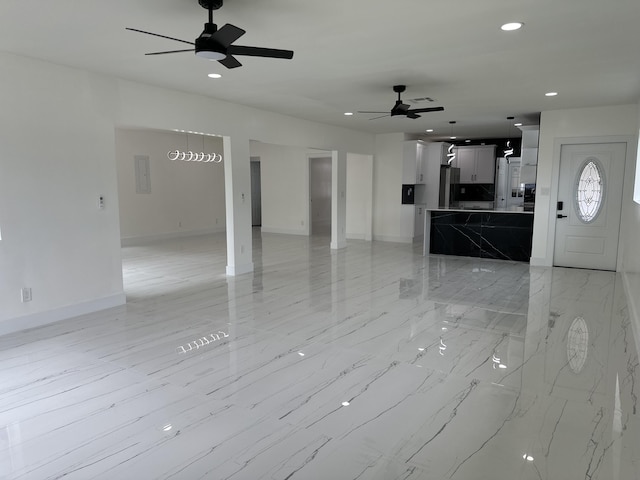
x: 25, y: 294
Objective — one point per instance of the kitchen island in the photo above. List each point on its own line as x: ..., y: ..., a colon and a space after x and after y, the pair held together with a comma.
x: 492, y: 233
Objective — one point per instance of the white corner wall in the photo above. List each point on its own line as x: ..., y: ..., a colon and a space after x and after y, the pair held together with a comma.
x: 57, y: 137
x: 392, y: 221
x: 186, y: 198
x: 609, y: 121
x: 630, y: 232
x: 284, y: 173
x: 359, y: 197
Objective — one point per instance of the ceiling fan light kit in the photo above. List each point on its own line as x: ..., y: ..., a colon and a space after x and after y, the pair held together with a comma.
x: 216, y: 44
x: 402, y: 109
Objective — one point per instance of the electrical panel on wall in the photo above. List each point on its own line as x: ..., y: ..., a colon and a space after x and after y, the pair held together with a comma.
x: 143, y: 174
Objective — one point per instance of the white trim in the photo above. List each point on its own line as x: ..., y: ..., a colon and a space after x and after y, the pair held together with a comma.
x: 17, y: 324
x: 234, y: 270
x: 143, y: 239
x: 538, y: 262
x: 283, y: 231
x: 358, y: 236
x: 558, y: 143
x: 392, y: 238
x: 339, y: 245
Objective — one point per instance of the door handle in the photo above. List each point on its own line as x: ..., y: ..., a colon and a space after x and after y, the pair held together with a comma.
x: 561, y: 216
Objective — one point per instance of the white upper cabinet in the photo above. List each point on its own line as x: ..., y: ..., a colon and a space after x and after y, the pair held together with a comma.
x: 477, y: 164
x: 414, y: 163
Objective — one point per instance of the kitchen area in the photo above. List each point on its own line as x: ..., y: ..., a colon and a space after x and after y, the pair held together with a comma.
x: 474, y: 200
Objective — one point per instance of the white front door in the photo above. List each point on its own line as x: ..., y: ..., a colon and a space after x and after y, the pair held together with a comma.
x: 589, y: 205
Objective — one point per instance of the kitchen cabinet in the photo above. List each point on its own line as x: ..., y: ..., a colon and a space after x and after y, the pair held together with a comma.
x: 477, y: 164
x: 414, y: 162
x: 529, y: 153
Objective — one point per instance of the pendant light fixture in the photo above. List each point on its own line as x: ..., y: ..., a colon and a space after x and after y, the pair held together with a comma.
x: 508, y: 151
x: 451, y: 155
x: 190, y: 156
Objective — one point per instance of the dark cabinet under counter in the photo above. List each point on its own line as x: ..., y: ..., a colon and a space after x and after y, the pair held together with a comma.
x: 498, y: 235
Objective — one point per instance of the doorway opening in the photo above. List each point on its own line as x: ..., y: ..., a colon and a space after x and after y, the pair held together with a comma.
x: 320, y: 195
x: 172, y: 212
x: 256, y: 193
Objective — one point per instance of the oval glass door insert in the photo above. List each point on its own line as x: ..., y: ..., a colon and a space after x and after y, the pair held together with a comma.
x: 589, y: 191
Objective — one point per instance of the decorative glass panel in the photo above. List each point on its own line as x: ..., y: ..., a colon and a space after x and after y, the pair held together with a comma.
x: 589, y: 192
x: 577, y: 344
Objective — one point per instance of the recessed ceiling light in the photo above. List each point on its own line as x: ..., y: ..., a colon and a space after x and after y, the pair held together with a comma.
x: 468, y: 141
x: 430, y: 130
x: 348, y: 114
x: 345, y: 404
x: 214, y: 75
x: 511, y: 26
x: 453, y: 138
x: 517, y: 124
x: 551, y: 94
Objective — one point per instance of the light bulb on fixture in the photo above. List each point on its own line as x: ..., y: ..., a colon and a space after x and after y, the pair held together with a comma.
x: 191, y: 156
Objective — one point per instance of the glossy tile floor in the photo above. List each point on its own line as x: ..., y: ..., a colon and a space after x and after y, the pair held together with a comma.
x: 369, y: 363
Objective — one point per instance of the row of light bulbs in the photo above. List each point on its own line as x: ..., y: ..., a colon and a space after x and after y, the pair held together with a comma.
x: 194, y: 156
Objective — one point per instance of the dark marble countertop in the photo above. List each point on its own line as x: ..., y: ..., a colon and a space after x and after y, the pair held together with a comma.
x: 477, y: 210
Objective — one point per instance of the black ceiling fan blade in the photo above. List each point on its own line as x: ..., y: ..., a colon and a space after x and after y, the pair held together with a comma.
x: 412, y: 115
x: 228, y: 34
x: 158, y: 35
x: 259, y: 52
x: 170, y: 51
x: 368, y: 111
x: 425, y: 110
x: 381, y: 116
x: 230, y: 62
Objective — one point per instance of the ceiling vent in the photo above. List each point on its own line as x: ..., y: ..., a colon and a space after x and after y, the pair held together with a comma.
x: 422, y: 99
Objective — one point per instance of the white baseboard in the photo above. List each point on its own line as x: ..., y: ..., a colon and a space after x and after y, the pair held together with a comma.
x: 24, y: 322
x: 538, y: 262
x: 284, y: 231
x: 392, y: 238
x: 236, y: 270
x: 143, y: 239
x: 358, y: 236
x: 338, y: 245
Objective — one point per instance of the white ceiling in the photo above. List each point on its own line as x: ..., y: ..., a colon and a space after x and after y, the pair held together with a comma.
x: 349, y: 54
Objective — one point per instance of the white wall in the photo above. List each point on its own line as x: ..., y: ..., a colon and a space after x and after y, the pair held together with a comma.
x: 186, y: 197
x: 392, y: 221
x: 359, y: 196
x: 557, y: 124
x: 54, y: 238
x: 285, y: 188
x: 57, y: 158
x: 630, y: 232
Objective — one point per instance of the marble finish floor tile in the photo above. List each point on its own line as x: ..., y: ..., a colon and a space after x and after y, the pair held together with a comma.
x: 371, y: 362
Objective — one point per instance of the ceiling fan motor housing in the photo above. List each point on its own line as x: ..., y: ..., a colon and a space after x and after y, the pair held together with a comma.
x: 210, y: 4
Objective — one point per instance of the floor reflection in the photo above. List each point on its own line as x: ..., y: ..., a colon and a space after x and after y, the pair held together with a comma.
x: 372, y: 362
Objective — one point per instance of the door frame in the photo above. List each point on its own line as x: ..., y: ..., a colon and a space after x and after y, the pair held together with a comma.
x: 555, y: 183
